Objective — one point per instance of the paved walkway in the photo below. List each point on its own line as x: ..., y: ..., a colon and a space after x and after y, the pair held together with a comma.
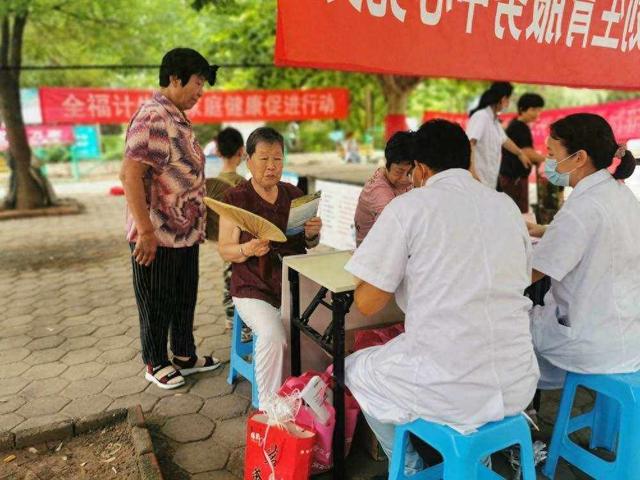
x: 69, y: 344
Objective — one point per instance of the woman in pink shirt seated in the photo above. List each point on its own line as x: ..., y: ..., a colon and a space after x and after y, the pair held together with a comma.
x: 386, y: 183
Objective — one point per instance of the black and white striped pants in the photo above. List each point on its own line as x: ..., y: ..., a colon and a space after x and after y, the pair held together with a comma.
x: 166, y: 293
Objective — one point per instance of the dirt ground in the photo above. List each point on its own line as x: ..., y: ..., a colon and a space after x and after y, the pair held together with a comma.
x: 102, y: 455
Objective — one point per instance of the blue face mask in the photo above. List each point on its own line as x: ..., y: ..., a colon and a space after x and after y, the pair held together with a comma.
x: 552, y: 174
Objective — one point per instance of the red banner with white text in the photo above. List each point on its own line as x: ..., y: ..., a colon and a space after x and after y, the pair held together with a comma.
x: 42, y: 136
x: 105, y: 106
x: 623, y: 116
x: 579, y: 43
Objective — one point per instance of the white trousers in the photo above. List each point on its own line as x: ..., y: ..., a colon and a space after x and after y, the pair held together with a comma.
x: 271, y: 342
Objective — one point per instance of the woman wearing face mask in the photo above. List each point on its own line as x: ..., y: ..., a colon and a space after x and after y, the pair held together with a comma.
x: 488, y: 137
x: 590, y: 322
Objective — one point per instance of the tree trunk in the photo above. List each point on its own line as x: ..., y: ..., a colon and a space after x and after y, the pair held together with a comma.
x: 29, y: 193
x: 396, y: 90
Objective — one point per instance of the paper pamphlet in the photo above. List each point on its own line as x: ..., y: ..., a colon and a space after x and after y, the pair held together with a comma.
x: 302, y: 209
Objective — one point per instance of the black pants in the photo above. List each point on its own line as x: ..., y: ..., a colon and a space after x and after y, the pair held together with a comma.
x: 166, y: 293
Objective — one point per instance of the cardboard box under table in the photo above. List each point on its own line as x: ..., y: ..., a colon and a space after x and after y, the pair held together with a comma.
x: 317, y: 296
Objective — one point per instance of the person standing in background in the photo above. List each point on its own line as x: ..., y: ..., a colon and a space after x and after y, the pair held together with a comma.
x: 231, y: 149
x: 488, y: 137
x: 514, y: 175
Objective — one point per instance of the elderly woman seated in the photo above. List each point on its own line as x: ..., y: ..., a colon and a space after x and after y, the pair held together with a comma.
x: 256, y: 274
x: 386, y: 183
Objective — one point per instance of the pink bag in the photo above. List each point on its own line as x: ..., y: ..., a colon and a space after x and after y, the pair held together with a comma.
x: 322, y: 451
x: 376, y: 336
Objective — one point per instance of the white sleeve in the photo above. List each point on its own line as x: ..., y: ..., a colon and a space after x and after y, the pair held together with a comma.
x: 503, y: 135
x: 381, y: 259
x: 476, y: 126
x: 562, y: 246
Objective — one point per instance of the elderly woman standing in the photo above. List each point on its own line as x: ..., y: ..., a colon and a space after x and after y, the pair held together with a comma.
x: 257, y: 293
x: 163, y: 178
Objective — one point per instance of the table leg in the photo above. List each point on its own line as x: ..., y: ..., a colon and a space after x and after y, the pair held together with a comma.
x: 294, y: 289
x: 340, y: 309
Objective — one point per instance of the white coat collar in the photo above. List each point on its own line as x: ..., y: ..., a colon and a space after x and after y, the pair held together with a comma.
x: 591, y: 181
x: 452, y: 172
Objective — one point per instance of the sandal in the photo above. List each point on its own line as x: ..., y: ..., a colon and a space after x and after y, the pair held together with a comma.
x: 188, y: 367
x: 164, y: 376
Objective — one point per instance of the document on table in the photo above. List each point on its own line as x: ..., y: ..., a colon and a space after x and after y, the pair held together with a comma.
x: 302, y: 209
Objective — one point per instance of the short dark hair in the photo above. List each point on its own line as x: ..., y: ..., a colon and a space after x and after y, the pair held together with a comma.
x: 593, y: 134
x: 441, y: 145
x: 263, y: 134
x: 399, y: 148
x: 229, y: 141
x: 529, y: 100
x: 184, y: 62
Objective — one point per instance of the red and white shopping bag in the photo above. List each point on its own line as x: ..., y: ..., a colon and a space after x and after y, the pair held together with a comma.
x: 277, y: 452
x: 323, y: 448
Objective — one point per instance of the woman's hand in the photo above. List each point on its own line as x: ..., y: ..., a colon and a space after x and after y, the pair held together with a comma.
x: 536, y: 230
x: 524, y: 159
x: 312, y: 227
x: 255, y: 248
x: 145, y: 250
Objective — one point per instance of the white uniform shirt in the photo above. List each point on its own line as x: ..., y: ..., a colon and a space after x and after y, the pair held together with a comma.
x: 485, y: 127
x: 591, y: 319
x: 460, y: 255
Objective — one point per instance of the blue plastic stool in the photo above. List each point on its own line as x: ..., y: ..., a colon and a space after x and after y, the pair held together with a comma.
x: 238, y: 362
x: 463, y: 454
x: 614, y: 423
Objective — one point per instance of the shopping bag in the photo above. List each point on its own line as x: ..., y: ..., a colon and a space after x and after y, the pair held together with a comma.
x: 277, y: 452
x: 322, y: 450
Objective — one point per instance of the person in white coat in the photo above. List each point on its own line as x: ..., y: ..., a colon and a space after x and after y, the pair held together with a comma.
x: 487, y: 136
x: 590, y: 322
x: 458, y: 257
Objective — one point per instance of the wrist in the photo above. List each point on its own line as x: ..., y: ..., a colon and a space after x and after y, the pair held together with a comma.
x: 311, y: 237
x: 242, y: 251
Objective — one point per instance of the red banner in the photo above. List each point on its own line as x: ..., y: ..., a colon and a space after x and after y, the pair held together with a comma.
x: 623, y: 116
x: 104, y: 106
x: 580, y: 43
x: 43, y: 136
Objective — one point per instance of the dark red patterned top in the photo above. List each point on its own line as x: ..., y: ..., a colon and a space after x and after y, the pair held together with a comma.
x: 247, y: 278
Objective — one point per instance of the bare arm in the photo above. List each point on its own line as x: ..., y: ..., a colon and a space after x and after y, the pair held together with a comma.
x: 369, y: 299
x: 472, y: 167
x: 536, y: 230
x: 230, y: 248
x: 132, y: 176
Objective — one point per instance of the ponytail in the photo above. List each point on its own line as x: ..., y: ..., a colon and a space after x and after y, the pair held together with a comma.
x: 496, y: 92
x: 627, y: 165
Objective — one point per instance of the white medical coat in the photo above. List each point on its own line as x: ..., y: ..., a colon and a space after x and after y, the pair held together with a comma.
x: 591, y: 319
x: 460, y: 254
x: 485, y: 127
